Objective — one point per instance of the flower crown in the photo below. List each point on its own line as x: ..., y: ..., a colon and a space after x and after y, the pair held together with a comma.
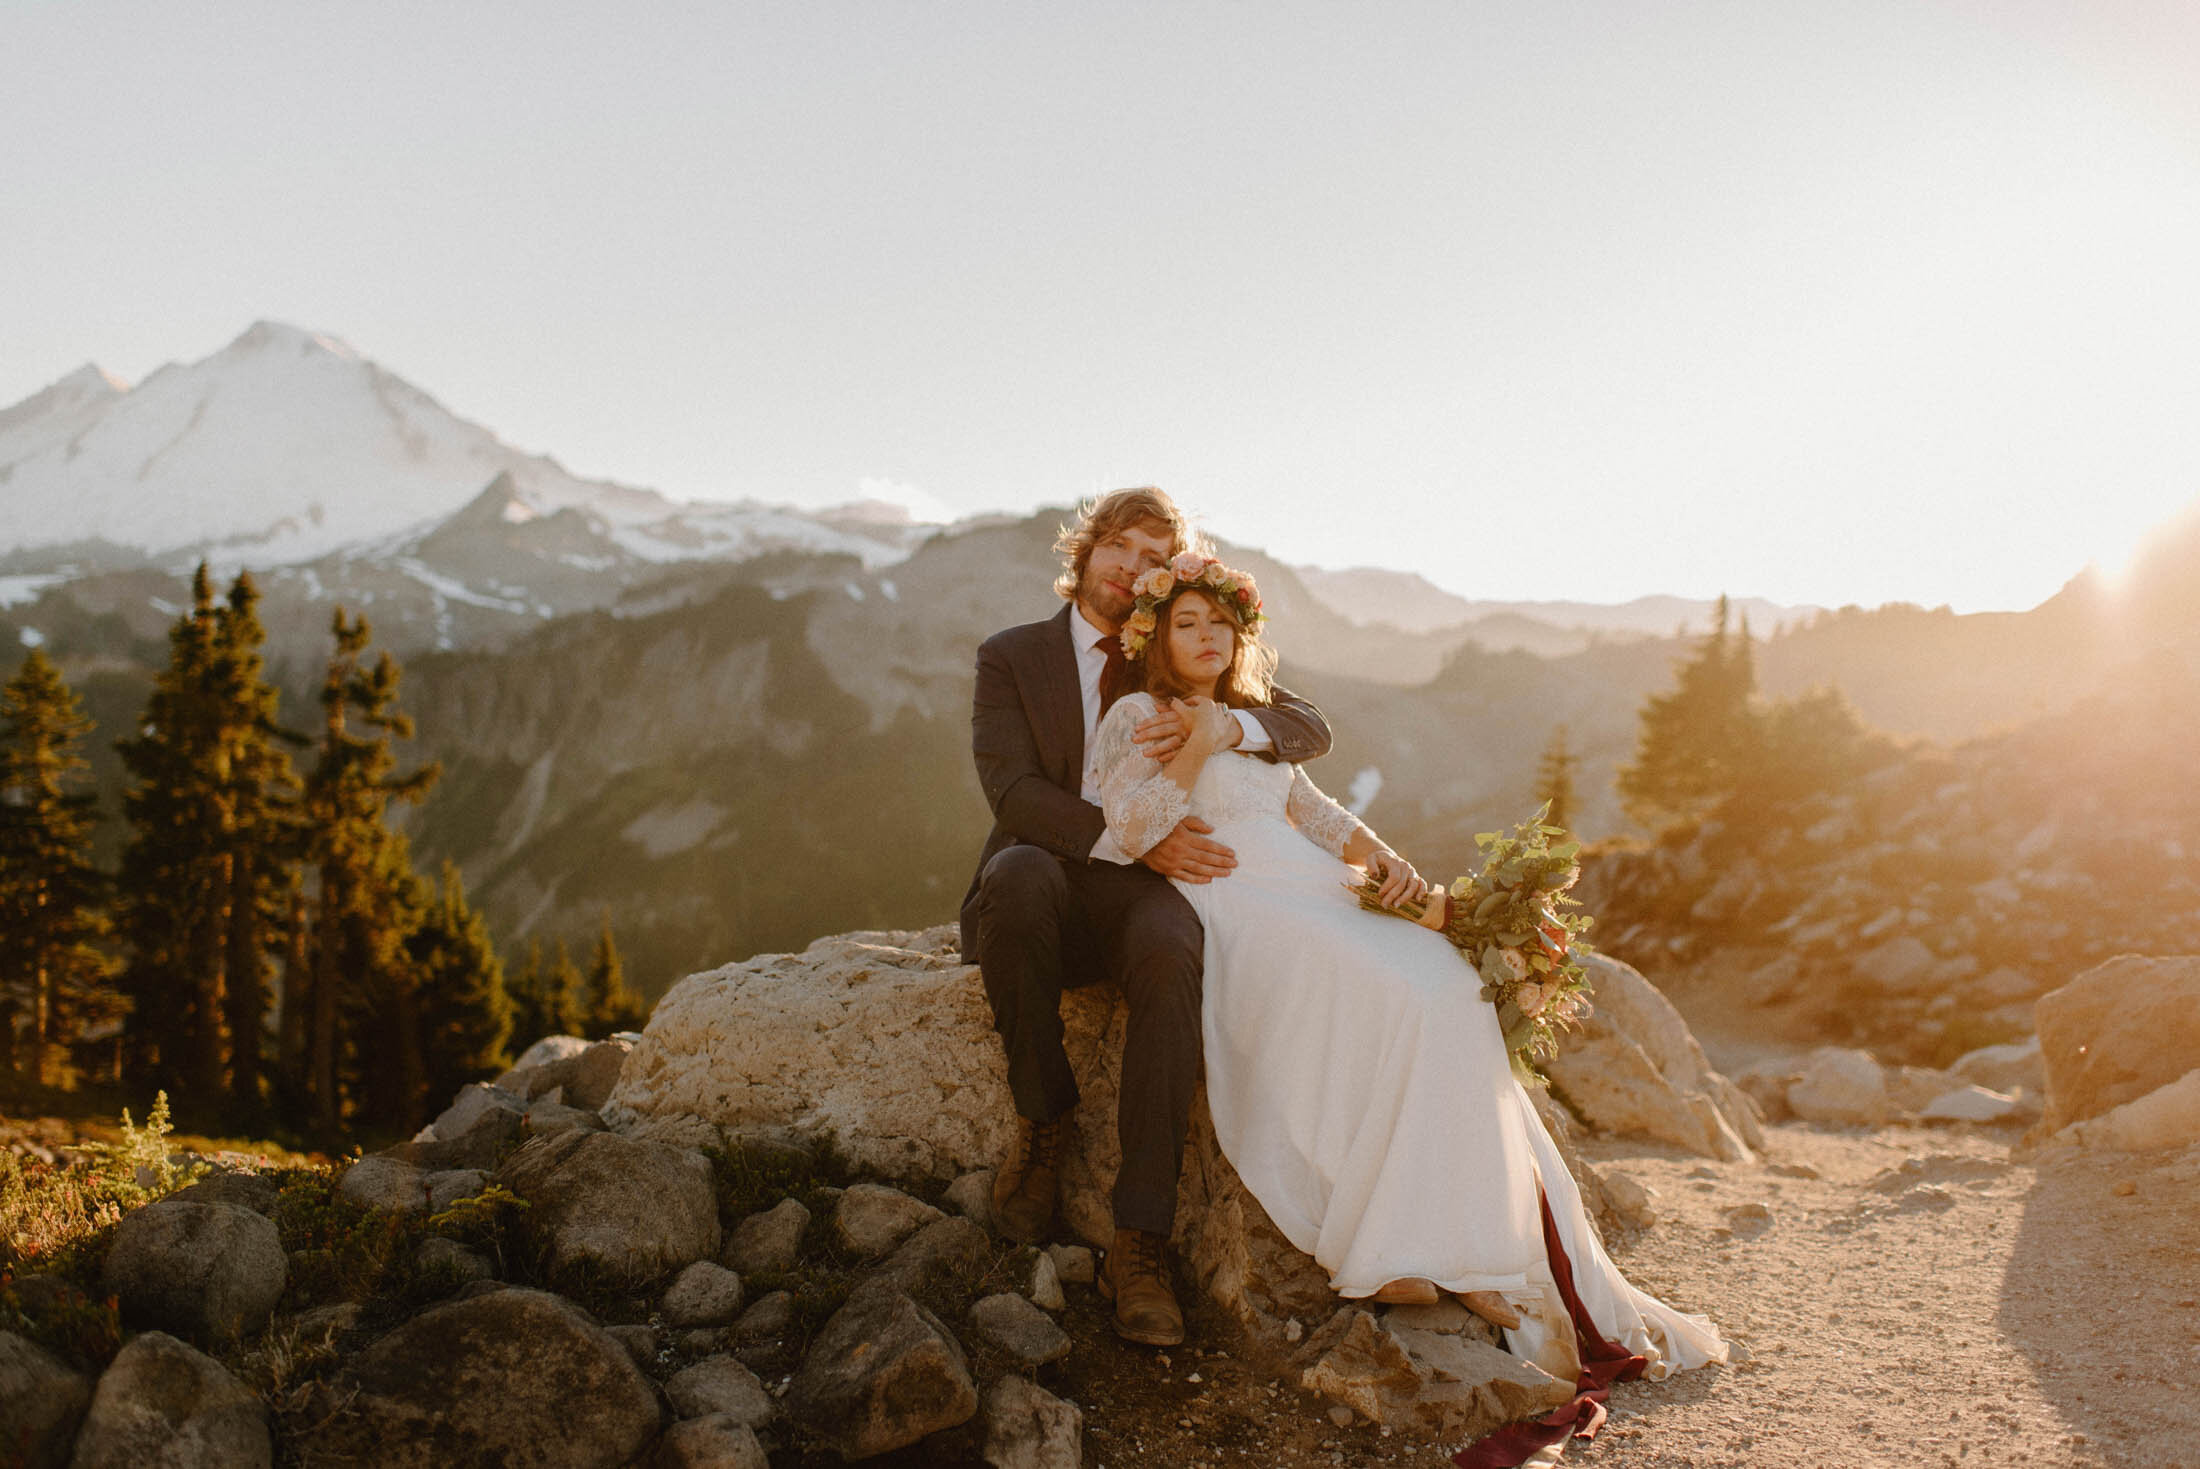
x: 1233, y: 591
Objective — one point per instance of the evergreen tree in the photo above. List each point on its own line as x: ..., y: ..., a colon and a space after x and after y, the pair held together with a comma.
x: 1697, y: 741
x: 1554, y: 780
x: 466, y: 1014
x: 530, y: 1000
x: 55, y: 978
x: 565, y: 994
x: 258, y: 802
x: 610, y: 1005
x: 365, y: 906
x: 172, y: 888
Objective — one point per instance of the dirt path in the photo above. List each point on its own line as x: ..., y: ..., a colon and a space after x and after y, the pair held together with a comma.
x: 1921, y: 1300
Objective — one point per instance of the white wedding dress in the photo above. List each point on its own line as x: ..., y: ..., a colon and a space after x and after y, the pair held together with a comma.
x: 1358, y: 1081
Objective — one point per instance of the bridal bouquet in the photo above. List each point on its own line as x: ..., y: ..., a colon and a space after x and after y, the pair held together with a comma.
x: 1509, y: 921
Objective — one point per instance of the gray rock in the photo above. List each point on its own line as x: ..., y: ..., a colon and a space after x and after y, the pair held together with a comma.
x: 1072, y: 1262
x: 871, y: 1219
x: 768, y: 1317
x: 1630, y: 1198
x: 254, y: 1191
x: 1046, y: 1284
x: 543, y: 1052
x: 635, y: 1209
x: 1027, y: 1427
x: 2004, y: 1068
x: 883, y: 1373
x: 944, y: 1250
x: 160, y: 1402
x: 1840, y: 1086
x: 1895, y: 966
x: 380, y: 1181
x: 484, y: 1381
x: 702, y: 1341
x: 452, y: 1184
x: 586, y: 1077
x: 640, y: 1343
x: 474, y: 1101
x: 971, y: 1195
x: 721, y: 1385
x: 714, y: 1441
x: 463, y: 1264
x: 323, y: 1324
x: 213, y: 1271
x: 1019, y: 1328
x: 552, y: 1117
x: 704, y: 1294
x: 41, y: 1403
x: 1972, y: 1104
x: 768, y: 1241
x: 1436, y: 1383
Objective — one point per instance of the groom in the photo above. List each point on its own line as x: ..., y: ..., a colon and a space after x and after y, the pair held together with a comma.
x: 1056, y: 904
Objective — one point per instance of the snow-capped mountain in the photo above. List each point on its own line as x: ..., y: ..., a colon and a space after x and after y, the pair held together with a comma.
x: 287, y: 445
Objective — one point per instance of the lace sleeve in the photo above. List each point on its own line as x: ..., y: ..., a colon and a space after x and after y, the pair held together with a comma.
x: 1142, y: 804
x: 1320, y: 820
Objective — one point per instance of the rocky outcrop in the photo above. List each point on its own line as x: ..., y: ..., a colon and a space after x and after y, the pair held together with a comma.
x: 2117, y: 1032
x: 631, y: 1208
x: 482, y: 1381
x: 883, y: 1043
x: 211, y: 1271
x: 1636, y: 1070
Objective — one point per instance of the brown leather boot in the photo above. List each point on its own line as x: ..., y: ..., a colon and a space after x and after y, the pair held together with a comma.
x: 1023, y: 1189
x: 1135, y: 1276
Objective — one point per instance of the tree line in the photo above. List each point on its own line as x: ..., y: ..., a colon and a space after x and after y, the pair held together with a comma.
x: 266, y: 946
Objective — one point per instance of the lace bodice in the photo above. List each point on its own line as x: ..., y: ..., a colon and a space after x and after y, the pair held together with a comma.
x: 1143, y: 805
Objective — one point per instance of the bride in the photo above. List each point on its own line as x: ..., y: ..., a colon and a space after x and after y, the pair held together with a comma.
x: 1358, y: 1081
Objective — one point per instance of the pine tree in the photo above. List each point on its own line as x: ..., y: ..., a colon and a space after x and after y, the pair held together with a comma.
x: 1697, y: 741
x: 565, y: 995
x: 259, y: 796
x: 1554, y: 780
x: 365, y: 907
x: 610, y: 1005
x: 530, y: 1007
x: 55, y: 978
x: 173, y: 886
x: 466, y: 1014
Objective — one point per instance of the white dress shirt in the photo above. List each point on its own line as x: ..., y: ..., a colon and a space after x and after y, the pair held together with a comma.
x: 1092, y: 661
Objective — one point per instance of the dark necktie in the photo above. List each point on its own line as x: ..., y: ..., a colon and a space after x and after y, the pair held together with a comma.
x: 1115, y: 679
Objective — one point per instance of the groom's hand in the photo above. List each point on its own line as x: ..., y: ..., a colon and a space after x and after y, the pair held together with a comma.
x: 1187, y: 855
x: 1163, y: 735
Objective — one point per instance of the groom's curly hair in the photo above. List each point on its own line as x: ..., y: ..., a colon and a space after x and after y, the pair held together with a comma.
x: 1114, y: 511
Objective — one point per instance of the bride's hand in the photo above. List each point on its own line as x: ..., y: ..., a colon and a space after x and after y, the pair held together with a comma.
x: 1400, y: 883
x: 1207, y: 723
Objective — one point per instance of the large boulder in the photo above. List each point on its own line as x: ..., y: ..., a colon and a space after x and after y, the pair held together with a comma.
x: 2117, y: 1032
x: 211, y: 1271
x: 1445, y: 1379
x: 161, y: 1402
x: 883, y: 1043
x: 480, y: 1381
x: 41, y: 1403
x: 2167, y: 1117
x: 633, y: 1208
x: 583, y: 1078
x: 1634, y: 1068
x: 883, y: 1373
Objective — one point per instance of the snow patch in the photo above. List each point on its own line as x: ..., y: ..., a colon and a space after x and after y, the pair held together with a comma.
x: 19, y: 589
x: 456, y: 590
x: 1366, y: 786
x: 31, y: 637
x: 669, y: 829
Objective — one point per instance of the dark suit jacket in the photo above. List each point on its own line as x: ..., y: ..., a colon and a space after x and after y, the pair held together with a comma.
x: 1027, y: 734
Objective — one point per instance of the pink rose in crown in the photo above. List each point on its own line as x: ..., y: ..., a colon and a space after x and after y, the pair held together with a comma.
x: 1215, y: 574
x: 1142, y: 620
x: 1154, y: 583
x: 1188, y: 565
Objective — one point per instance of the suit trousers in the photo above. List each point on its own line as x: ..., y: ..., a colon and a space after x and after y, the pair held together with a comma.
x: 1046, y: 924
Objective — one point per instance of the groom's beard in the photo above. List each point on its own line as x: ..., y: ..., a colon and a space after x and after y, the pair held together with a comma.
x: 1102, y: 604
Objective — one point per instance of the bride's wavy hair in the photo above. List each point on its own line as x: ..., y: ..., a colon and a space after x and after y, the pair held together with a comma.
x: 1249, y: 681
x: 1115, y: 511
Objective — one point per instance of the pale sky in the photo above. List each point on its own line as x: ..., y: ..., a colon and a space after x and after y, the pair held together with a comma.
x: 1889, y: 299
